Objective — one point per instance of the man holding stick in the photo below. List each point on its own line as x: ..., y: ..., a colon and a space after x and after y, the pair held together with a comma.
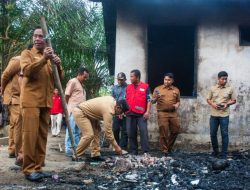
x: 36, y: 100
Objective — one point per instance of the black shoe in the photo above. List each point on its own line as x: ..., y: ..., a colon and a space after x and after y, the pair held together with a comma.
x: 78, y: 159
x: 166, y: 154
x: 34, y: 176
x: 215, y: 154
x: 45, y: 174
x: 223, y: 156
x: 134, y: 153
x: 12, y: 156
x: 97, y: 159
x: 19, y: 163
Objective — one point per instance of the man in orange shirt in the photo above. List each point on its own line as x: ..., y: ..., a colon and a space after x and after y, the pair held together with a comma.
x: 167, y: 97
x: 36, y: 101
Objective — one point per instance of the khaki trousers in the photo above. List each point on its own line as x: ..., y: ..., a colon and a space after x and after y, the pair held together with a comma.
x: 169, y: 128
x: 90, y: 133
x: 35, y: 131
x: 15, y: 129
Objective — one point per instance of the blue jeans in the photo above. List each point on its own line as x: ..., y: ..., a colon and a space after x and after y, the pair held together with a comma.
x: 223, y: 122
x: 76, y: 134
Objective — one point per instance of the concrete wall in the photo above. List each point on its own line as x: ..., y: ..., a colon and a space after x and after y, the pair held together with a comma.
x: 217, y: 49
x: 131, y: 43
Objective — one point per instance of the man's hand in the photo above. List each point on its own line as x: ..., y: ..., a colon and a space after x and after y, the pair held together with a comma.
x: 155, y: 98
x: 146, y: 116
x: 118, y: 149
x: 215, y: 106
x: 56, y: 60
x: 48, y: 53
x: 120, y: 116
x: 225, y: 107
x: 176, y: 106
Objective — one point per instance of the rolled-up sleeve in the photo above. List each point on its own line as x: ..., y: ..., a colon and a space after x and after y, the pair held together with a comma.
x: 209, y: 95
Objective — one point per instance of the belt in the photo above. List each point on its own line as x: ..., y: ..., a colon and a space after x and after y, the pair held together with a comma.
x: 168, y: 111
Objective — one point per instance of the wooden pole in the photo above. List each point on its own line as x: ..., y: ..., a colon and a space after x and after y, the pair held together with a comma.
x: 61, y: 93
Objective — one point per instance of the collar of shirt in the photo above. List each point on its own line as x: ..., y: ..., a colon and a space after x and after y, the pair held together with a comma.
x: 136, y: 85
x: 168, y: 87
x: 79, y: 81
x: 218, y: 86
x: 36, y: 51
x: 123, y: 85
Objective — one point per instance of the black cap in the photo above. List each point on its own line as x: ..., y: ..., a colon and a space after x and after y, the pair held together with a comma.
x: 121, y: 76
x: 123, y: 105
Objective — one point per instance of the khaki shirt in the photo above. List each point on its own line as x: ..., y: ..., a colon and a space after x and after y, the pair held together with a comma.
x: 38, y: 82
x: 76, y: 93
x: 101, y: 108
x: 221, y: 95
x: 10, y: 84
x: 169, y: 97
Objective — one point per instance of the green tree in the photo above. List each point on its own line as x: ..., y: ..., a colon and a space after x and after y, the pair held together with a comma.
x: 76, y: 30
x: 78, y: 37
x: 16, y: 21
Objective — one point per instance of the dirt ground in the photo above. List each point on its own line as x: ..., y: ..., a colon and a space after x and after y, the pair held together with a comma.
x: 56, y: 161
x: 181, y: 170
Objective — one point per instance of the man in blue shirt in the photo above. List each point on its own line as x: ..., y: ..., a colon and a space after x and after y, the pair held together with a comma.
x: 119, y: 122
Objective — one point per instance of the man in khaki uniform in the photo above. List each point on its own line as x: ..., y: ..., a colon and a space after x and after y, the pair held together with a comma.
x: 220, y: 97
x: 11, y: 97
x: 86, y: 116
x: 36, y: 101
x: 167, y: 97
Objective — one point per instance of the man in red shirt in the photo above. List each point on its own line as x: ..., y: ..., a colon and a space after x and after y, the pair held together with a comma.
x: 56, y: 114
x: 138, y: 99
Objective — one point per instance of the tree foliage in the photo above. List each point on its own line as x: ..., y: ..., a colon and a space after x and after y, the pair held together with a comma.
x: 76, y: 30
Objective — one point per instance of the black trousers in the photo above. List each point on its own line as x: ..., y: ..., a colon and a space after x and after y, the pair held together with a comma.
x: 119, y: 127
x: 133, y: 124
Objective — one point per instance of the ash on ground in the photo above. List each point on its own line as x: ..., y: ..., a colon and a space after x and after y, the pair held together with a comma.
x: 154, y: 171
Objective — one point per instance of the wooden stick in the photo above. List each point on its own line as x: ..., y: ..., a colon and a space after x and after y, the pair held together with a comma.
x: 61, y: 93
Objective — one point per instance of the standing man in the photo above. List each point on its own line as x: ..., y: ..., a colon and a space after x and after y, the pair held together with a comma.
x: 36, y: 101
x: 11, y: 98
x: 220, y: 98
x: 119, y: 121
x: 137, y: 96
x: 56, y: 113
x: 88, y: 113
x: 75, y: 94
x: 167, y: 97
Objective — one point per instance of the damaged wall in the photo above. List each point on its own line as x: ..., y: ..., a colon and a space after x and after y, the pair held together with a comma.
x: 131, y: 39
x: 217, y: 49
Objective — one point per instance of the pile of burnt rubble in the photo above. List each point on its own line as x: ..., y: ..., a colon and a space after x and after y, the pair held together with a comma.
x: 180, y: 171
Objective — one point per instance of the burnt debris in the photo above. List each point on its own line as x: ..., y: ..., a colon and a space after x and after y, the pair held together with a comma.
x: 180, y: 171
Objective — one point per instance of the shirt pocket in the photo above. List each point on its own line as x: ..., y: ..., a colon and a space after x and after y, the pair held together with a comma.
x: 215, y: 94
x: 174, y: 96
x: 226, y: 95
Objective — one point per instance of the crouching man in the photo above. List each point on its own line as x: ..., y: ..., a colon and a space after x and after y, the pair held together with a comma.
x: 87, y: 114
